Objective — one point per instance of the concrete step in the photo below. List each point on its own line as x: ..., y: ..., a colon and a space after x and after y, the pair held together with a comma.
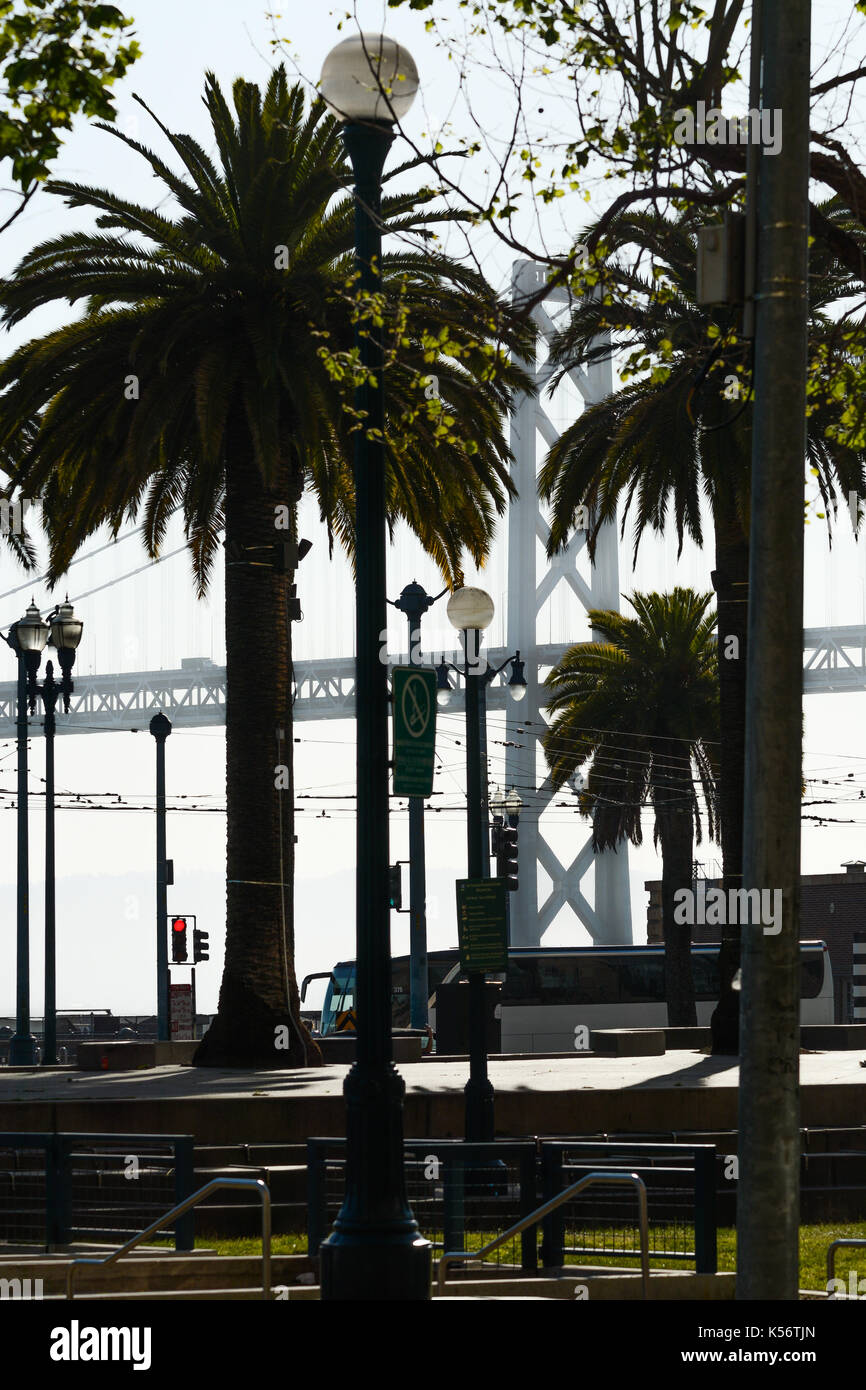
x: 286, y: 1182
x: 169, y: 1273
x: 676, y: 1286
x: 225, y: 1155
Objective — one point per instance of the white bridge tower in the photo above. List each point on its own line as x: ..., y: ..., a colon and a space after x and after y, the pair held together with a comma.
x: 532, y: 579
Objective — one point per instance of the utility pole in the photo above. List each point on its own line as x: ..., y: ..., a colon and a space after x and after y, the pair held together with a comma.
x: 769, y: 1149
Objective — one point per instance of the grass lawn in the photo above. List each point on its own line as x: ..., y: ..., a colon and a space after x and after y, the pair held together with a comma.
x: 814, y: 1241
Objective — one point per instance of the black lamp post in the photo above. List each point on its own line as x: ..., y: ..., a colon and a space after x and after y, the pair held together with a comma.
x: 375, y: 1246
x: 65, y: 635
x: 470, y: 611
x: 414, y: 602
x: 160, y: 727
x: 27, y: 639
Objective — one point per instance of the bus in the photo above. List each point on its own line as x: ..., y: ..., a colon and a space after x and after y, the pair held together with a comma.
x: 339, y: 1002
x: 548, y: 992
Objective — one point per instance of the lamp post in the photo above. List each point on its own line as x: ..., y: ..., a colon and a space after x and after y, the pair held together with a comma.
x: 368, y: 81
x: 160, y: 727
x: 414, y: 602
x: 64, y: 635
x: 27, y: 639
x: 470, y: 611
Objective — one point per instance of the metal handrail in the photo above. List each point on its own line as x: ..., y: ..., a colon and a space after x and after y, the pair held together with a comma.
x: 557, y: 1201
x: 212, y: 1186
x: 831, y: 1258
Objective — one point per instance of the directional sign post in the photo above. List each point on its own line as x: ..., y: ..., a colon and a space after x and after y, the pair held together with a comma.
x: 481, y: 925
x: 414, y: 706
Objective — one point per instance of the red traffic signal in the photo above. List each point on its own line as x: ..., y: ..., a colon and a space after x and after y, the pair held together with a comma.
x: 179, y: 952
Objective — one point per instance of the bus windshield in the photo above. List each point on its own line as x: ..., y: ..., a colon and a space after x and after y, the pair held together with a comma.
x: 339, y: 1004
x: 339, y: 1000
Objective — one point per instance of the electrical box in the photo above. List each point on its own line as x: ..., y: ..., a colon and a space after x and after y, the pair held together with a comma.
x: 722, y: 261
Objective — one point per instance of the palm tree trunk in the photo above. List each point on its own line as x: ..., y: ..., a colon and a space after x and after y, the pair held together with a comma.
x: 258, y: 1019
x: 674, y: 818
x: 731, y: 582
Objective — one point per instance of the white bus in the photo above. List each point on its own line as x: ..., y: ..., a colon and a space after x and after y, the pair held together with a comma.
x: 547, y: 993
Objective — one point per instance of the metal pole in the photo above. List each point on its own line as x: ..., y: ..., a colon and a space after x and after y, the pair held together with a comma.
x: 160, y: 727
x: 414, y: 602
x: 375, y: 1243
x: 478, y: 1093
x: 418, y: 979
x: 22, y: 1047
x: 768, y: 1187
x: 49, y: 693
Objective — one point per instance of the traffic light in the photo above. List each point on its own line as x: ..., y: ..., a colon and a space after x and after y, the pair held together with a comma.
x: 506, y: 859
x: 200, y: 948
x: 496, y: 838
x: 179, y: 954
x: 395, y: 887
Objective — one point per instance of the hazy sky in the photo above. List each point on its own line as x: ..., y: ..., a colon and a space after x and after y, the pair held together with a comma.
x: 105, y: 857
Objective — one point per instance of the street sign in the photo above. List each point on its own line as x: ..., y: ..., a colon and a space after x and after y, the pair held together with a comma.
x: 481, y: 925
x: 414, y: 706
x: 181, y: 1012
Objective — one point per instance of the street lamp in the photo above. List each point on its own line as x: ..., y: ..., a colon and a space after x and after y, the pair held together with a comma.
x: 64, y: 636
x: 369, y: 81
x: 27, y: 639
x: 414, y: 601
x: 470, y: 611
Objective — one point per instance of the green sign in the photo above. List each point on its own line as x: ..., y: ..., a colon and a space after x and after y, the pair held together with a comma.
x: 414, y: 706
x: 481, y: 925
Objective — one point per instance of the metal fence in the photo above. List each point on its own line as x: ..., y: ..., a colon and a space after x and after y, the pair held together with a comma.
x: 681, y: 1202
x: 464, y: 1195
x: 461, y: 1194
x: 60, y: 1188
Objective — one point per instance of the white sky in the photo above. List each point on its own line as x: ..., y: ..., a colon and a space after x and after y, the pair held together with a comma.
x: 105, y: 892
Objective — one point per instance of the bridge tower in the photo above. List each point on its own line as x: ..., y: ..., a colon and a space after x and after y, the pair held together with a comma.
x: 532, y: 579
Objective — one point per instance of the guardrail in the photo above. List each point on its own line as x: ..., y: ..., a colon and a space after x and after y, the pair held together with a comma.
x: 57, y: 1188
x: 215, y: 1183
x: 681, y: 1182
x: 451, y: 1257
x: 454, y: 1188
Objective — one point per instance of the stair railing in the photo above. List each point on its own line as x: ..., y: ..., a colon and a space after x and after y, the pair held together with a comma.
x: 214, y: 1185
x: 534, y: 1217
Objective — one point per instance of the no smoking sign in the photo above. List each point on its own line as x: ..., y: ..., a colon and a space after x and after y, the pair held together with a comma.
x: 414, y: 706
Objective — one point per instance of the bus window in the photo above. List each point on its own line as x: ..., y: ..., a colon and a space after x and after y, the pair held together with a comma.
x: 705, y: 974
x: 340, y: 996
x: 400, y: 1011
x: 811, y: 974
x: 642, y: 979
x: 521, y: 983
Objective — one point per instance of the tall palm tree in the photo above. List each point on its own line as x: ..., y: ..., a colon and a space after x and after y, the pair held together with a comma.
x: 678, y: 434
x: 641, y: 705
x: 201, y: 376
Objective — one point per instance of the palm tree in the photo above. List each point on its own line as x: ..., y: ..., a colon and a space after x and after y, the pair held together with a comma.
x: 201, y: 377
x: 641, y: 704
x: 677, y: 435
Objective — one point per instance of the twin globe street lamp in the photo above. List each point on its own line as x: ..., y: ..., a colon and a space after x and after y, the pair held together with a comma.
x: 470, y: 611
x: 375, y: 1248
x: 28, y: 639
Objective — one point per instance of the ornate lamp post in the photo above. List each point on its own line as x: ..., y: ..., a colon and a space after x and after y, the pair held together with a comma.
x: 65, y: 635
x: 27, y: 639
x: 470, y: 611
x: 369, y: 81
x: 414, y: 602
